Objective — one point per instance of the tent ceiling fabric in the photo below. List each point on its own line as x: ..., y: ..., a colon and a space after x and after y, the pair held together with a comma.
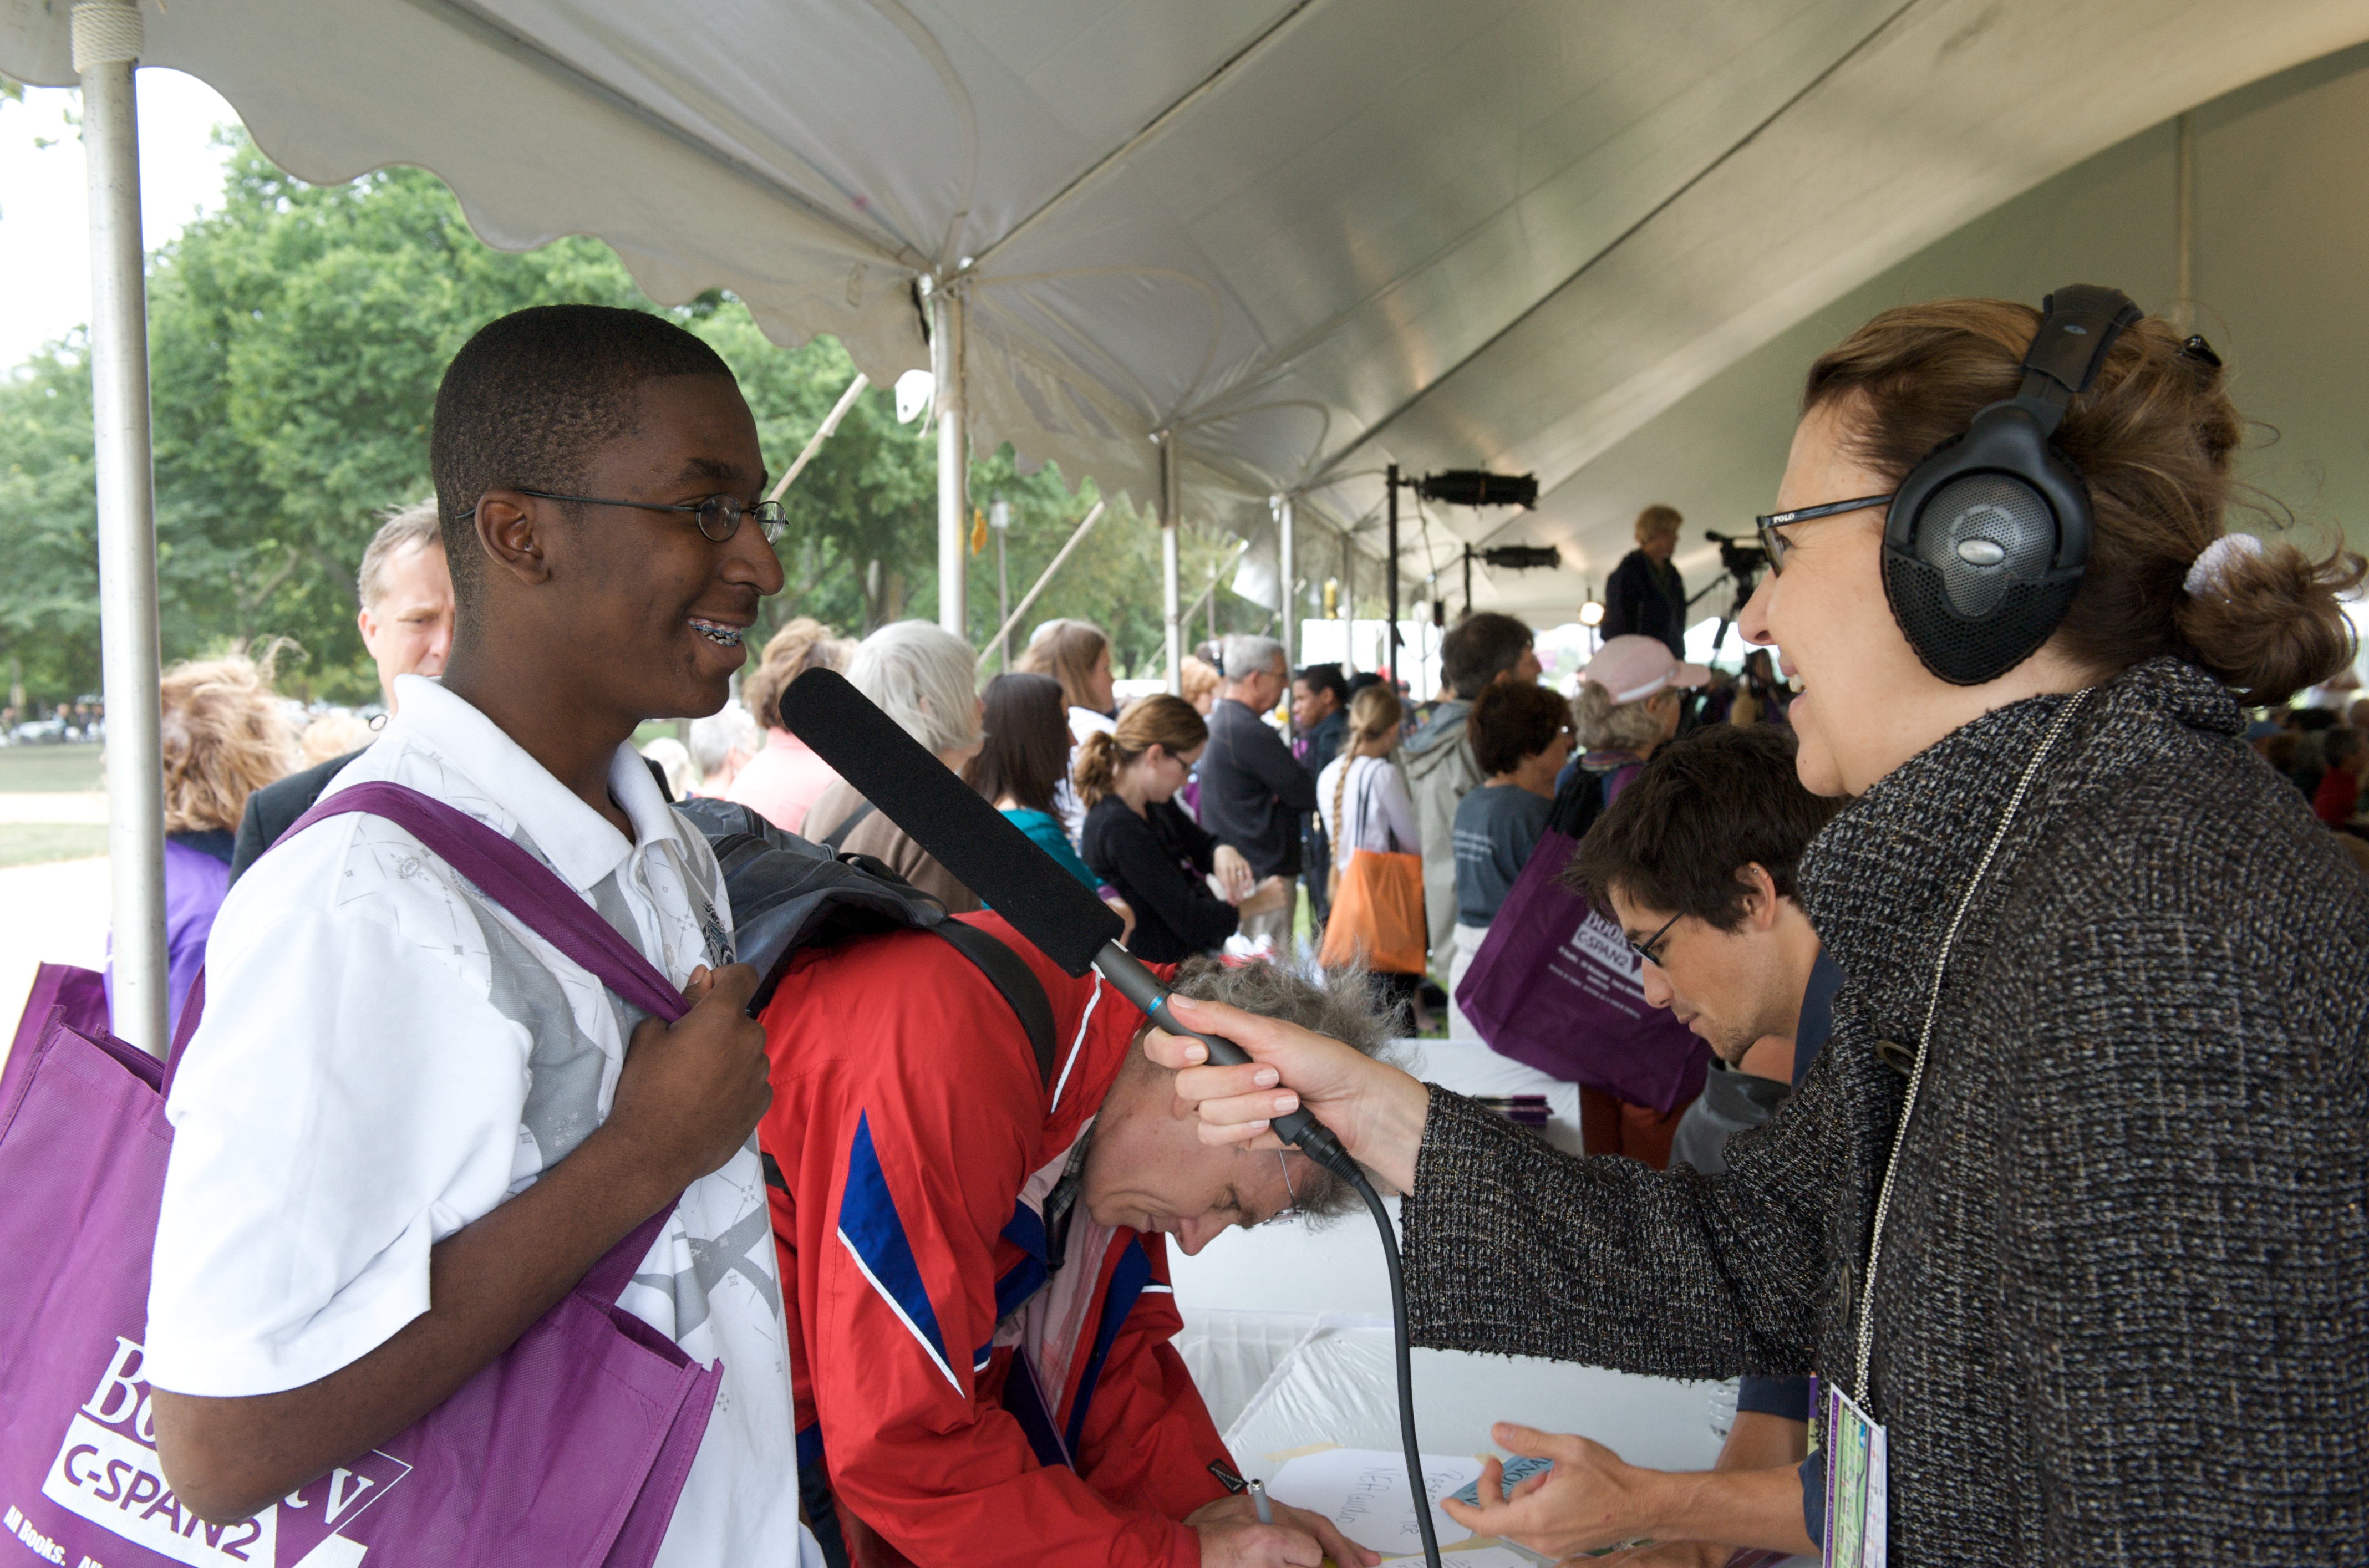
x: 1312, y: 236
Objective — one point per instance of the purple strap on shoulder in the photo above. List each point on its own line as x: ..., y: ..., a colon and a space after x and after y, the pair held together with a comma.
x: 516, y: 881
x: 510, y: 877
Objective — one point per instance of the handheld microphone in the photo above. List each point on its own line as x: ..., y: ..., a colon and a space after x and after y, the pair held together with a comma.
x: 1069, y: 924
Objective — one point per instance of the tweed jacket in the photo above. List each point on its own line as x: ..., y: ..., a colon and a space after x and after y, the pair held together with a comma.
x: 2123, y: 1312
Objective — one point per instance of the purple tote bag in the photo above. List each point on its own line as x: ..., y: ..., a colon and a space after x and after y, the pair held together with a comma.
x: 570, y: 1450
x: 1555, y: 986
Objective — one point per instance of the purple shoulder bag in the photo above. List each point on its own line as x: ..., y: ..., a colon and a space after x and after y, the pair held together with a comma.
x: 1555, y: 987
x: 570, y: 1450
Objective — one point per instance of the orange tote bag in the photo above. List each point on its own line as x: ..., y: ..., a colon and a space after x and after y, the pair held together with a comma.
x: 1377, y: 915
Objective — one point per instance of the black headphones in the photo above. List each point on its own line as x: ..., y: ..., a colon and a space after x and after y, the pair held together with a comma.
x: 1986, y: 539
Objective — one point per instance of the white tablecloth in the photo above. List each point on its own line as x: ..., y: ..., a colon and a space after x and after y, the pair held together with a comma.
x: 1287, y: 1334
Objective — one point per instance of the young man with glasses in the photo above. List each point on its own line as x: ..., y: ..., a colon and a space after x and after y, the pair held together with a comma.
x: 408, y: 1125
x: 974, y: 1248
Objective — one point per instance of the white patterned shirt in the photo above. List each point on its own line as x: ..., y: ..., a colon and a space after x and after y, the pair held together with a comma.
x: 387, y: 1055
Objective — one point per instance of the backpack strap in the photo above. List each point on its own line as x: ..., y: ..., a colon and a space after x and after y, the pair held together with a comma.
x: 1010, y: 973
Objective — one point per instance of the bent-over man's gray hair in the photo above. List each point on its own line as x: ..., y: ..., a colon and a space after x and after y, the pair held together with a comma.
x: 1341, y: 1004
x: 1248, y: 655
x: 404, y: 527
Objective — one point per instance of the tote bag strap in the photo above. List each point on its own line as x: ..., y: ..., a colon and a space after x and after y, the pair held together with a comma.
x: 510, y: 876
x: 1340, y: 823
x: 1366, y: 805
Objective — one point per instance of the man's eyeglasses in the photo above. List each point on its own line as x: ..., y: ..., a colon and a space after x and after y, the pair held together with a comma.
x: 1774, y: 543
x: 1649, y: 949
x: 719, y: 516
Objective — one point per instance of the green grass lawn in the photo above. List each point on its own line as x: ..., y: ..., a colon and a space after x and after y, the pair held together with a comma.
x: 29, y: 843
x: 46, y: 770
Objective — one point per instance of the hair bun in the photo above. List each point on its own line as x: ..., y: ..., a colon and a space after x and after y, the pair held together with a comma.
x: 2269, y: 620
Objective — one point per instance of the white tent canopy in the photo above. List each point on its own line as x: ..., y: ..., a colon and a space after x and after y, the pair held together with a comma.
x: 1295, y: 240
x: 1310, y: 238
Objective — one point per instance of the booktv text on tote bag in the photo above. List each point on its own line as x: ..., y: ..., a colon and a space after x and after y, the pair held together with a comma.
x: 1555, y: 986
x: 569, y: 1449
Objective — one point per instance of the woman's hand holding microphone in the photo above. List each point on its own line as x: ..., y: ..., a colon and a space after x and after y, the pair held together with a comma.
x: 1373, y: 1108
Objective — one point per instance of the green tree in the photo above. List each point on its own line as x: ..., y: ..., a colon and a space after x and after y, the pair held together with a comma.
x: 296, y: 337
x: 49, y: 552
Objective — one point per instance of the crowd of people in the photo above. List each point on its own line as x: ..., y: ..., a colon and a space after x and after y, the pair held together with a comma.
x: 2022, y: 1089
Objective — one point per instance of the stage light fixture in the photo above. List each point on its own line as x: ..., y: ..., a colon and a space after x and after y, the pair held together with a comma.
x: 1477, y: 487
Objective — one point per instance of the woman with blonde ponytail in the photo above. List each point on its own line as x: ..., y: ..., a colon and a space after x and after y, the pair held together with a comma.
x: 2074, y: 1204
x: 1159, y: 860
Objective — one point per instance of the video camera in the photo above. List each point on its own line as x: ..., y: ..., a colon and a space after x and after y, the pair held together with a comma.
x: 1744, y: 559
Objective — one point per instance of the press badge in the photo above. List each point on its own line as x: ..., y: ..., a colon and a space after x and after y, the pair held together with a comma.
x: 1856, y: 1498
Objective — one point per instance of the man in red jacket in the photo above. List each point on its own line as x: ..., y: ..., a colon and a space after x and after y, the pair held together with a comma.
x: 973, y: 1255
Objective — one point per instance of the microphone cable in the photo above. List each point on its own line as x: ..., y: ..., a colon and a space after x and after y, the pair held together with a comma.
x: 1405, y: 1362
x: 1316, y: 1140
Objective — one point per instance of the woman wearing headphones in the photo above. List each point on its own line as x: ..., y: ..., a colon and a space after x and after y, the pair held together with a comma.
x: 2074, y: 1208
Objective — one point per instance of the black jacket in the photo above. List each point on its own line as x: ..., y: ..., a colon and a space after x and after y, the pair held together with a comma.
x: 2119, y: 1319
x: 1254, y: 790
x: 1644, y: 599
x: 273, y: 809
x: 1156, y: 861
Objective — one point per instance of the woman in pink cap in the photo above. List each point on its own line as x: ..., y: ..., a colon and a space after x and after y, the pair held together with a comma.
x: 1627, y: 703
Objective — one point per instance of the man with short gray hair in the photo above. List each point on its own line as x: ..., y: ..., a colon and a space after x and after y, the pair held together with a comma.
x: 1253, y: 791
x: 721, y: 745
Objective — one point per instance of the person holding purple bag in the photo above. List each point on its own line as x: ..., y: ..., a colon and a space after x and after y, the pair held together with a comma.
x: 407, y: 1124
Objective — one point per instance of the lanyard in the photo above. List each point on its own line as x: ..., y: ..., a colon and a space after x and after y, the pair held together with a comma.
x: 1925, y: 1040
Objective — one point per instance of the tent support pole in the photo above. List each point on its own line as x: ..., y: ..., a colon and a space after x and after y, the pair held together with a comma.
x: 1171, y: 627
x: 953, y: 458
x: 1288, y: 596
x: 1390, y: 595
x: 1000, y: 642
x: 1349, y: 602
x: 822, y: 433
x: 107, y: 43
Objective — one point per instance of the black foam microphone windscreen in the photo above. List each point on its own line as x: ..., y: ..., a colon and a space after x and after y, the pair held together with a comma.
x: 975, y: 843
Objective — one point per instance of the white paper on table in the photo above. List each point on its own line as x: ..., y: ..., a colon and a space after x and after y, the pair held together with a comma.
x: 1364, y: 1492
x: 1479, y: 1557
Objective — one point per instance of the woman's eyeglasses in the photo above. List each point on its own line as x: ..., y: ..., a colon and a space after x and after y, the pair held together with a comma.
x: 1774, y: 543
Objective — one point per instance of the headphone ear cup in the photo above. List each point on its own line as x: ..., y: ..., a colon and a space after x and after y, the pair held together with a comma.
x: 1968, y: 650
x: 1984, y: 548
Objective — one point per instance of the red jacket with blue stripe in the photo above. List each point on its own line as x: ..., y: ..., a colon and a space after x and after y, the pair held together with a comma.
x: 962, y: 1397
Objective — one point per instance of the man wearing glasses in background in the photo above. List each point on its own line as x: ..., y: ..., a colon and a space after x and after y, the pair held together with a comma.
x: 1696, y: 861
